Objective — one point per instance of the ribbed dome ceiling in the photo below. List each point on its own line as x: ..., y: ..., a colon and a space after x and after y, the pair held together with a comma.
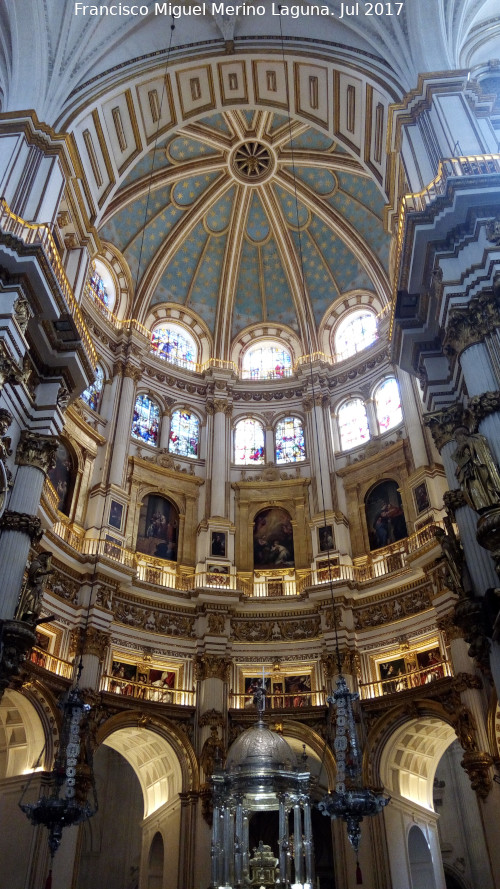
x: 228, y: 226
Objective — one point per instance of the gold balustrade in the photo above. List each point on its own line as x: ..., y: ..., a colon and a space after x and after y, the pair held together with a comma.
x: 51, y: 663
x: 39, y: 234
x: 165, y: 573
x: 406, y: 681
x: 148, y: 692
x: 280, y: 700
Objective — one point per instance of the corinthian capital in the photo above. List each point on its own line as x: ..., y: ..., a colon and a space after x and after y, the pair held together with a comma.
x: 444, y: 423
x: 36, y: 450
x: 210, y: 666
x: 470, y: 325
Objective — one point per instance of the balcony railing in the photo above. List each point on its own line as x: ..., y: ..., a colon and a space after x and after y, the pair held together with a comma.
x: 280, y: 700
x: 51, y: 663
x: 38, y: 234
x: 405, y: 681
x: 163, y: 573
x: 156, y: 692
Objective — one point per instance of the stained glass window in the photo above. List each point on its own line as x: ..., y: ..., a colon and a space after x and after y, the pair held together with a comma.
x: 266, y: 361
x: 355, y: 333
x: 92, y: 394
x: 248, y: 442
x: 174, y: 344
x: 146, y: 422
x: 99, y: 288
x: 353, y: 424
x: 184, y: 434
x: 290, y: 445
x: 388, y: 405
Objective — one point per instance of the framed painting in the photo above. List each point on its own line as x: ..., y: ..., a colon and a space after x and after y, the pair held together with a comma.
x: 116, y: 515
x: 218, y: 544
x: 325, y: 538
x: 421, y: 496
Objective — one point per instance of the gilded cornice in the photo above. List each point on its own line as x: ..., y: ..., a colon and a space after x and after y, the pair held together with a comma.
x: 162, y: 463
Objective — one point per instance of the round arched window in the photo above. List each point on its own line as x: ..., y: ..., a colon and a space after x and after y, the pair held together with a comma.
x: 101, y: 285
x: 289, y: 437
x: 388, y: 405
x: 174, y: 344
x: 146, y: 420
x: 248, y: 442
x: 357, y: 331
x: 184, y: 434
x: 353, y: 424
x: 92, y: 394
x: 266, y: 360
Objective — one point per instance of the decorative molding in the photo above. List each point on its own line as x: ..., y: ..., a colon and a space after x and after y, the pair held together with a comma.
x: 22, y: 522
x: 275, y: 631
x: 37, y: 450
x: 211, y: 666
x: 385, y: 612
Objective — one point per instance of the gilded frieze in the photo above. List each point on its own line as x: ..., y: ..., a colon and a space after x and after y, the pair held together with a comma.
x: 386, y: 611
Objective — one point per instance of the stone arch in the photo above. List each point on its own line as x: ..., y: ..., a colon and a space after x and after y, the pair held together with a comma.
x: 404, y: 748
x: 420, y: 859
x: 298, y: 733
x: 29, y: 731
x: 160, y: 754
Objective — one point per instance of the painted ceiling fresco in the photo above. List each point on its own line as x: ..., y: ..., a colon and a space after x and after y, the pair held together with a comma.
x: 195, y: 232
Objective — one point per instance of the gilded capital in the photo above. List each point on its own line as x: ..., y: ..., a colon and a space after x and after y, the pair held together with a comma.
x: 219, y: 405
x: 469, y: 325
x: 307, y: 403
x: 444, y: 423
x: 37, y: 450
x: 132, y: 372
x: 481, y: 406
x: 96, y: 642
x: 211, y: 666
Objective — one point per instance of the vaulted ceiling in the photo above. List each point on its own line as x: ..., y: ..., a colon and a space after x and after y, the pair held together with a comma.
x: 234, y: 208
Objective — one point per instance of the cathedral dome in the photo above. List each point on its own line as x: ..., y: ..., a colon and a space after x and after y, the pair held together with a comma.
x: 259, y: 747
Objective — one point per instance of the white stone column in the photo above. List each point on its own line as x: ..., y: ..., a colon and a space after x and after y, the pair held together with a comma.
x: 319, y: 448
x: 478, y: 370
x: 166, y: 418
x: 270, y: 455
x: 35, y: 455
x: 121, y: 438
x: 412, y: 419
x: 219, y: 408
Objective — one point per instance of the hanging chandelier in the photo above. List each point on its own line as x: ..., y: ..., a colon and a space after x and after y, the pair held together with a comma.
x: 71, y: 780
x: 351, y: 800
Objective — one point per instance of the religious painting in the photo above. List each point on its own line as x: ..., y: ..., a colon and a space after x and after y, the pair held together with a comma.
x: 123, y: 677
x: 297, y: 691
x: 421, y: 496
x: 116, y: 515
x: 38, y: 654
x: 278, y: 699
x: 253, y: 684
x: 112, y: 547
x: 218, y: 544
x: 391, y: 674
x: 273, y: 539
x: 158, y: 528
x: 217, y: 575
x: 430, y: 662
x: 62, y: 477
x: 384, y: 515
x: 325, y: 537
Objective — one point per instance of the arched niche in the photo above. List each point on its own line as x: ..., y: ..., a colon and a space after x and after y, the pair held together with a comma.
x: 420, y: 859
x: 158, y: 530
x: 156, y: 862
x: 273, y: 539
x: 63, y: 476
x: 385, y: 518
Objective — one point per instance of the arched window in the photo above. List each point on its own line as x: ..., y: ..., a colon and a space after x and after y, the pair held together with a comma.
x: 146, y: 422
x: 353, y: 424
x: 266, y: 361
x: 388, y: 405
x: 290, y: 445
x: 174, y: 344
x: 101, y: 285
x: 357, y: 331
x: 184, y: 434
x: 92, y: 394
x: 248, y: 442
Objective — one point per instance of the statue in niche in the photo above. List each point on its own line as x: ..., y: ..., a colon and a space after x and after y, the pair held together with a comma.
x: 457, y: 574
x: 476, y: 471
x: 212, y: 753
x: 30, y: 603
